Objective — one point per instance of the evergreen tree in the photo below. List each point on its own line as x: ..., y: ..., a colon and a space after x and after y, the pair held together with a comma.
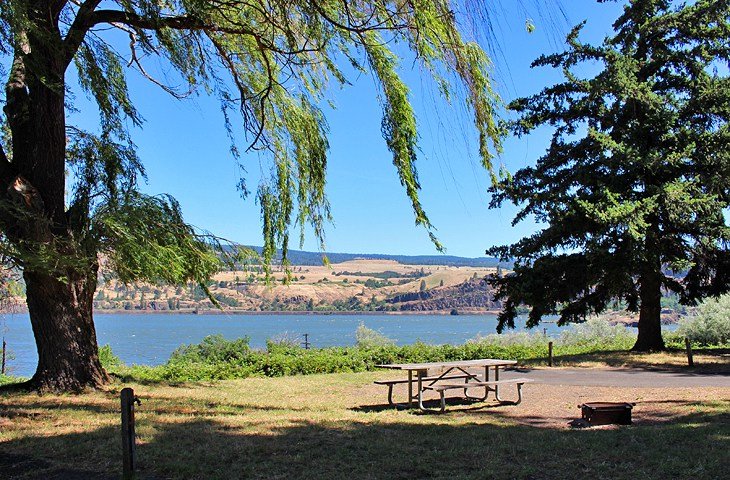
x: 634, y: 184
x: 422, y: 287
x: 269, y: 63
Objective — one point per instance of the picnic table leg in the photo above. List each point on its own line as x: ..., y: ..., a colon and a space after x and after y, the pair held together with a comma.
x: 390, y: 395
x: 486, y: 389
x: 420, y: 389
x: 486, y: 379
x: 519, y: 394
x: 496, y: 386
x: 421, y: 406
x: 410, y: 388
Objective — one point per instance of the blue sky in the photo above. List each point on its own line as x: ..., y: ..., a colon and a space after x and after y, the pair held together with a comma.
x: 186, y: 152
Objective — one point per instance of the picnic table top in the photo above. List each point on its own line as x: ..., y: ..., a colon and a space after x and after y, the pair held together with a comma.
x: 484, y: 362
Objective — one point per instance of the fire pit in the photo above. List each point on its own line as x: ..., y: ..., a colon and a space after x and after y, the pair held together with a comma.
x: 607, y: 413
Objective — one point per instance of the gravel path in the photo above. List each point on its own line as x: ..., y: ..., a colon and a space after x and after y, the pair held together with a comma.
x: 620, y: 377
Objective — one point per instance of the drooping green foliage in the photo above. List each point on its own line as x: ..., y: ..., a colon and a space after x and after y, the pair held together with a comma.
x: 70, y: 195
x: 269, y: 63
x: 632, y: 189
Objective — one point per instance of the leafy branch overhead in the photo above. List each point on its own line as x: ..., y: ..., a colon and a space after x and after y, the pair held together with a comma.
x: 69, y: 195
x: 268, y: 63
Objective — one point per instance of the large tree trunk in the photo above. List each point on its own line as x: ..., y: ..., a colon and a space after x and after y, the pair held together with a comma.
x: 59, y: 296
x: 61, y: 316
x: 650, y: 326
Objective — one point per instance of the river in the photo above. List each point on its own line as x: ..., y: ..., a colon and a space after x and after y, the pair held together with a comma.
x: 150, y: 338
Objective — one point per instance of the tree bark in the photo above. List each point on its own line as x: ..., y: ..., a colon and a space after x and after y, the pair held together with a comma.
x: 63, y: 326
x: 650, y: 326
x: 59, y: 296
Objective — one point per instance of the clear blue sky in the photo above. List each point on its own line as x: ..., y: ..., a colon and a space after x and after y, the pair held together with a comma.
x: 185, y: 150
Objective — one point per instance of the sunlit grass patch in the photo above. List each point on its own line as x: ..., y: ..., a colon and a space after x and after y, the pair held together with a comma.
x: 338, y: 426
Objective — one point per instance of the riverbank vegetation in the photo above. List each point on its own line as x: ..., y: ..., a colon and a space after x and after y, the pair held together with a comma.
x: 217, y: 358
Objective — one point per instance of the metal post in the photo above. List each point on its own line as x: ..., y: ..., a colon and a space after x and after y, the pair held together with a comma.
x: 550, y: 354
x: 306, y: 341
x: 128, y: 438
x: 5, y: 347
x: 690, y: 359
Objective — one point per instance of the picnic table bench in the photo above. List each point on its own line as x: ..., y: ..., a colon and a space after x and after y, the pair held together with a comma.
x: 392, y: 383
x: 444, y: 381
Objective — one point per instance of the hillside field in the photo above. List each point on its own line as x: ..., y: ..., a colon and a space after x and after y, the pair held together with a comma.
x: 357, y: 285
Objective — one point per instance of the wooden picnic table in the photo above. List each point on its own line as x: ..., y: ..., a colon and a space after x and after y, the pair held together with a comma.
x: 448, y: 372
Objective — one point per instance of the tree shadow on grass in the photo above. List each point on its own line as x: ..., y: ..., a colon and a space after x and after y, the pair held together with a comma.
x: 628, y: 359
x: 41, y: 407
x: 210, y: 447
x: 61, y: 457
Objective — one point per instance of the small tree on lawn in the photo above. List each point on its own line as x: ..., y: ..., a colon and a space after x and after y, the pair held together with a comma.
x: 633, y: 187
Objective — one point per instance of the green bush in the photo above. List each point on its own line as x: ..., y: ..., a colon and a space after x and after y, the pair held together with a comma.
x: 284, y: 344
x: 710, y: 324
x: 216, y: 358
x: 367, y: 337
x: 597, y: 332
x: 213, y: 349
x: 108, y: 360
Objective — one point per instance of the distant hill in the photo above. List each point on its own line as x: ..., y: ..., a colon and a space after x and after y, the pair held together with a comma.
x: 299, y: 257
x: 353, y: 284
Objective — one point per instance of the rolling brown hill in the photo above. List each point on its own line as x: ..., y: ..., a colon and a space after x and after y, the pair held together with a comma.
x: 357, y: 285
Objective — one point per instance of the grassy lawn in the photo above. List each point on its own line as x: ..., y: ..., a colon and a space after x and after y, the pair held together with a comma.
x: 337, y: 426
x: 706, y: 360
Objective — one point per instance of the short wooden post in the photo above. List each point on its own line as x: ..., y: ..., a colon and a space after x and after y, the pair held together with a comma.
x: 690, y: 359
x: 2, y: 368
x: 128, y: 438
x: 550, y: 354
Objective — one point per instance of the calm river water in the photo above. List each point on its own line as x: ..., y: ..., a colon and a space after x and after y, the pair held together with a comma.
x: 151, y: 338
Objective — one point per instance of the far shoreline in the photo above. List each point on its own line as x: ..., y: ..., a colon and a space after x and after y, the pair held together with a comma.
x: 293, y: 312
x: 611, y: 318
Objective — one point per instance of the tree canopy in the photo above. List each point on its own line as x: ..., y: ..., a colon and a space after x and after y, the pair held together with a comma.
x: 268, y: 62
x: 633, y: 188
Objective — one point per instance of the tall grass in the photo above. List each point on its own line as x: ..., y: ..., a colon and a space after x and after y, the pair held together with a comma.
x: 216, y: 358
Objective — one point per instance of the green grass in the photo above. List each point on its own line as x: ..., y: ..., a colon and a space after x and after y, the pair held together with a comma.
x: 335, y: 426
x: 6, y: 379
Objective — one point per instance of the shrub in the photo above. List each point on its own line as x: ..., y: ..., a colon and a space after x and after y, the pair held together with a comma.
x: 710, y: 324
x: 284, y: 344
x: 213, y: 349
x: 597, y: 332
x: 108, y: 360
x: 367, y: 337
